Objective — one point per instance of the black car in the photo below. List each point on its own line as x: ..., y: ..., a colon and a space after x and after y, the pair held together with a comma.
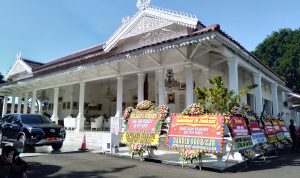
x: 31, y: 129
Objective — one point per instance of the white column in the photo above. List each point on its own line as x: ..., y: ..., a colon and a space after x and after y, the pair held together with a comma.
x: 25, y: 103
x: 40, y: 106
x: 161, y: 87
x: 54, y: 116
x: 33, y: 101
x: 19, y: 104
x: 141, y: 79
x: 258, y: 94
x: 80, y: 116
x: 13, y: 103
x: 4, y: 109
x: 274, y: 98
x: 119, y: 96
x: 233, y: 75
x: 189, y: 84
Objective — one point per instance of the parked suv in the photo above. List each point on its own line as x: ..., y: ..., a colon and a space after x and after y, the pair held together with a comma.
x: 31, y: 129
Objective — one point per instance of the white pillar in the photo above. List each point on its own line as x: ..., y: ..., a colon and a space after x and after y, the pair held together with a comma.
x: 189, y: 84
x: 119, y: 96
x: 161, y: 87
x: 4, y: 109
x: 40, y: 106
x: 54, y: 116
x: 13, y: 103
x: 258, y: 94
x: 19, y: 104
x: 274, y: 98
x: 233, y: 75
x: 141, y: 79
x: 80, y: 116
x: 33, y: 101
x: 25, y: 109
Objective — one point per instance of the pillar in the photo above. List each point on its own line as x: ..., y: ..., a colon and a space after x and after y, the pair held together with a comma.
x: 40, y: 106
x: 54, y: 116
x: 33, y: 100
x: 19, y: 104
x: 189, y: 84
x: 233, y: 75
x: 258, y: 94
x: 13, y: 103
x: 25, y: 109
x: 4, y: 109
x: 80, y: 116
x: 119, y: 96
x: 274, y: 98
x: 141, y: 79
x: 161, y: 87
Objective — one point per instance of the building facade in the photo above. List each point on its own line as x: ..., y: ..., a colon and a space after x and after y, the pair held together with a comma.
x: 156, y: 54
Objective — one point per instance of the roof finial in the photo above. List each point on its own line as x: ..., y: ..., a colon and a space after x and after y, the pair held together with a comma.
x: 143, y: 4
x: 19, y: 56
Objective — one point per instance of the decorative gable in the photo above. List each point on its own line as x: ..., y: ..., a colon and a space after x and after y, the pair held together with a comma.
x: 150, y: 19
x: 19, y: 70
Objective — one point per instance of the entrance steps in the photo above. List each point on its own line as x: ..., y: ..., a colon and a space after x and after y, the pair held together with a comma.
x: 94, y: 139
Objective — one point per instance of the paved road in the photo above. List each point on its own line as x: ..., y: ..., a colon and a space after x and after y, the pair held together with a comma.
x: 75, y: 164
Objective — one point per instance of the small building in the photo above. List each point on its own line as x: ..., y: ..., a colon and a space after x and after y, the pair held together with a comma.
x: 156, y: 54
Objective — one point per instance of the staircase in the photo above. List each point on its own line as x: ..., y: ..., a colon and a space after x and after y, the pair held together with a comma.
x: 94, y: 139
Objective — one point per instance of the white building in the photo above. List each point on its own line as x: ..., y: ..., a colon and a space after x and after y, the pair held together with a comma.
x: 109, y: 77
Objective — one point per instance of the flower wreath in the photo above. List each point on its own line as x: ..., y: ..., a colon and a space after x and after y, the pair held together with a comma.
x: 145, y: 105
x: 190, y: 155
x: 164, y: 112
x: 193, y: 109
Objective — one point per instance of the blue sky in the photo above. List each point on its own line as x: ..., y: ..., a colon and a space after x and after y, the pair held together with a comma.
x: 48, y: 29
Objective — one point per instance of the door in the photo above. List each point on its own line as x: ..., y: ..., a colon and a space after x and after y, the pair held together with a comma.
x: 6, y: 121
x: 15, y: 127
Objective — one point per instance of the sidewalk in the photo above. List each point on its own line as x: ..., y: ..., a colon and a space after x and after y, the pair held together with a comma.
x: 209, y: 162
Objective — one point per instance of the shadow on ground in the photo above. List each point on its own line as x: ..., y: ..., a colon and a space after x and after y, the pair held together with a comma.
x: 272, y: 162
x: 45, y: 171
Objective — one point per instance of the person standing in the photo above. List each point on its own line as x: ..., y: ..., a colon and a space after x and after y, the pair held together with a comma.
x: 293, y: 134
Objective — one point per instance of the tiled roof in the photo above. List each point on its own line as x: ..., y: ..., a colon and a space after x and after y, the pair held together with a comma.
x: 32, y: 64
x: 77, y: 59
x: 66, y: 60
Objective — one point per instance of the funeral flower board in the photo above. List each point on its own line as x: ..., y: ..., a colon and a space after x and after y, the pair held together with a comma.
x: 284, y: 129
x: 196, y: 132
x: 239, y: 130
x: 257, y: 134
x: 270, y: 131
x: 143, y: 127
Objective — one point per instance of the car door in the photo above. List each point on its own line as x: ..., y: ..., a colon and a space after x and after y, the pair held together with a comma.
x: 15, y: 127
x: 6, y: 120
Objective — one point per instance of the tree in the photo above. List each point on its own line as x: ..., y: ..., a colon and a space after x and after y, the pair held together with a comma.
x: 281, y: 52
x: 218, y: 98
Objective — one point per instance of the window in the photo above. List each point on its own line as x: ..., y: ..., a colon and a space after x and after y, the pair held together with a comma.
x: 35, y: 119
x: 7, y: 118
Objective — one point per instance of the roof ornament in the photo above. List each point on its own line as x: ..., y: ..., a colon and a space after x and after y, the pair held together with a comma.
x: 125, y: 20
x: 143, y: 4
x: 19, y: 56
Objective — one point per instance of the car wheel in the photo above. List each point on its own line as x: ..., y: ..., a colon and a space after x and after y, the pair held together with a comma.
x: 57, y: 146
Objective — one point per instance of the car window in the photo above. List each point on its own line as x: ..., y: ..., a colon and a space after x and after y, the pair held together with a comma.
x: 7, y: 118
x: 16, y: 119
x: 35, y: 119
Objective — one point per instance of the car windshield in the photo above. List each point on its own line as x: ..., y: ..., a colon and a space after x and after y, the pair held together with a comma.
x: 35, y: 119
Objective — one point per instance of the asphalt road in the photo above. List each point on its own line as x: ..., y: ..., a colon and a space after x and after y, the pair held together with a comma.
x: 76, y: 164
